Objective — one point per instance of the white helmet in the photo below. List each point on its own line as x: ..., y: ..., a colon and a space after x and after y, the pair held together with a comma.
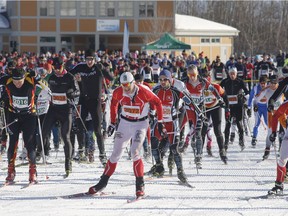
x: 126, y: 77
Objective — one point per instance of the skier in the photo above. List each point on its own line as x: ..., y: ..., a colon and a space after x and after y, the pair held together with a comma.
x: 233, y: 87
x: 170, y: 97
x: 281, y: 163
x: 260, y: 108
x: 22, y: 117
x: 64, y: 88
x: 134, y: 101
x: 92, y: 75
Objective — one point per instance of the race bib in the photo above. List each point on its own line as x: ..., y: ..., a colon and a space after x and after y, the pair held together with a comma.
x: 233, y: 99
x: 20, y: 102
x: 59, y: 98
x: 264, y: 72
x: 219, y: 75
x: 167, y: 115
x: 131, y: 111
x: 240, y: 73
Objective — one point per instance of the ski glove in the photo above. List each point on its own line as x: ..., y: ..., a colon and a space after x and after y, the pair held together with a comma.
x: 249, y: 113
x: 272, y: 137
x: 110, y: 130
x: 227, y: 114
x: 271, y: 106
x: 221, y: 103
x: 162, y: 130
x: 255, y: 108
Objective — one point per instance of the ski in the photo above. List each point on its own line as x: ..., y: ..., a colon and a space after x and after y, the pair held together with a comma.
x: 135, y: 199
x: 267, y: 196
x: 86, y: 194
x: 29, y: 184
x: 186, y: 184
x: 7, y: 183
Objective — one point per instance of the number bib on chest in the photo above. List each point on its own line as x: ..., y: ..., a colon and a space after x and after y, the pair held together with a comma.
x: 233, y: 99
x: 59, y: 98
x: 20, y: 102
x: 132, y: 111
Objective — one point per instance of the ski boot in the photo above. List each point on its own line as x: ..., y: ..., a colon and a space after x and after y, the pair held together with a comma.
x: 198, y: 161
x: 32, y: 173
x: 223, y: 156
x: 254, y: 142
x: 100, y: 185
x: 68, y: 167
x: 232, y: 137
x: 266, y: 153
x: 151, y: 171
x: 38, y: 156
x: 11, y: 173
x: 140, y: 187
x: 241, y: 144
x: 159, y: 170
x: 181, y: 175
x: 277, y: 190
x: 209, y: 152
x: 80, y: 156
x: 183, y: 146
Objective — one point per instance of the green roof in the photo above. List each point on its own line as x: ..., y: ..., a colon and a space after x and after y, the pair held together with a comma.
x: 166, y: 42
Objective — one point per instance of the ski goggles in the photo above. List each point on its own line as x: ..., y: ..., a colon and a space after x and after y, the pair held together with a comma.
x: 192, y: 75
x: 126, y: 84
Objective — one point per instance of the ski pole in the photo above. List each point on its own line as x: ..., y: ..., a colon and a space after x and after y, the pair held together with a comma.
x: 42, y: 144
x: 79, y: 115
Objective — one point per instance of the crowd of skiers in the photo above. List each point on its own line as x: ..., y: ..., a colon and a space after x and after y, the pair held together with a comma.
x: 151, y: 99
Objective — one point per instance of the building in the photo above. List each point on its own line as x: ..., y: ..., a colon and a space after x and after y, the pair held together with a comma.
x: 45, y: 25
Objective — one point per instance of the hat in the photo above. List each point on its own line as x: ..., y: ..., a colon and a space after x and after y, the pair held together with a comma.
x: 166, y: 73
x: 18, y: 73
x: 89, y: 52
x: 57, y: 63
x: 126, y: 77
x: 274, y: 79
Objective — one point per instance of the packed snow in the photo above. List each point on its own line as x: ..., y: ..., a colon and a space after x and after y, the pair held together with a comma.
x: 219, y: 189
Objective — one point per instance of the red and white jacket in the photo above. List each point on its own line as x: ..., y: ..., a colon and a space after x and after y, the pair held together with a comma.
x: 137, y: 106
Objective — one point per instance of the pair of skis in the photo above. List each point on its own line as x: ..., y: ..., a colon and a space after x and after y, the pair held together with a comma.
x: 8, y: 183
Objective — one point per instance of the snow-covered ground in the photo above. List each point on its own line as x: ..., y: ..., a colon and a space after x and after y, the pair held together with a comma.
x: 219, y: 189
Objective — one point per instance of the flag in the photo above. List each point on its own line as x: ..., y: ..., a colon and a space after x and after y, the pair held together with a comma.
x: 125, y: 49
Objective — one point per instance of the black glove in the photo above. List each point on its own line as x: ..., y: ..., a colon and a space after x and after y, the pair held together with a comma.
x: 221, y: 103
x: 162, y: 130
x: 70, y: 94
x: 272, y: 137
x: 110, y: 130
x: 249, y: 113
x: 255, y: 108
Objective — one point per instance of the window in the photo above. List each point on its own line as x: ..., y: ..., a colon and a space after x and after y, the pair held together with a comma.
x: 45, y: 49
x: 68, y: 8
x: 47, y: 39
x: 107, y: 9
x: 215, y: 40
x: 146, y: 9
x: 87, y: 8
x: 125, y: 9
x: 66, y: 39
x: 205, y: 40
x: 47, y: 8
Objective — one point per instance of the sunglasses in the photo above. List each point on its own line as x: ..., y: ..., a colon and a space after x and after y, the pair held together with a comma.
x: 126, y: 84
x: 192, y: 75
x: 89, y: 59
x: 163, y: 80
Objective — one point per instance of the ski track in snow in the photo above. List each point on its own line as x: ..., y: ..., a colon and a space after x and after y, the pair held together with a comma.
x: 219, y: 189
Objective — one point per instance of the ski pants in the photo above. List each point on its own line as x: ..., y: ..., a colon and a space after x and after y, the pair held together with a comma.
x: 27, y: 124
x: 262, y: 111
